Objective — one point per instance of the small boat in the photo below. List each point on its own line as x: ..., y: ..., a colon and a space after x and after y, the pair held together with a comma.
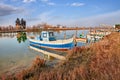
x: 84, y: 40
x: 48, y: 40
x: 81, y: 38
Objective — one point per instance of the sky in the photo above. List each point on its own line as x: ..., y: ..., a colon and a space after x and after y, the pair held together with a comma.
x: 64, y: 12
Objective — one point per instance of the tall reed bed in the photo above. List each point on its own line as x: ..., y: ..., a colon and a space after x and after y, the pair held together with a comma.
x: 99, y: 61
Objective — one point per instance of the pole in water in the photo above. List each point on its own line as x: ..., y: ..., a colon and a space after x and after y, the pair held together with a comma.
x: 75, y: 42
x: 76, y: 34
x: 65, y: 35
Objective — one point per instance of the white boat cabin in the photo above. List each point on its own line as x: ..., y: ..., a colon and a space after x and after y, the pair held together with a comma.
x: 47, y: 36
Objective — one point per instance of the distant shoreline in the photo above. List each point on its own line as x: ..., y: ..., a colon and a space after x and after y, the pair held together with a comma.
x: 40, y: 29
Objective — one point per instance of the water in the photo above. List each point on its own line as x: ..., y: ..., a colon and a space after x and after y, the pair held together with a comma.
x: 15, y: 51
x: 14, y: 54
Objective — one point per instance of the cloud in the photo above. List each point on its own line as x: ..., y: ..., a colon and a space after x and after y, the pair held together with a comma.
x: 44, y: 0
x: 46, y: 16
x: 14, y: 0
x: 33, y: 19
x: 106, y: 19
x: 27, y: 1
x: 48, y: 2
x: 51, y: 3
x: 8, y: 10
x: 76, y: 4
x: 97, y: 20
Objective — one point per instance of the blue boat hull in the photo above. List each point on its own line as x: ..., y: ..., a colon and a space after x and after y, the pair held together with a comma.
x: 66, y: 46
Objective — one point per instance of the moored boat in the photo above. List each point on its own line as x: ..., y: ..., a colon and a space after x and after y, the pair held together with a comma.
x: 48, y: 40
x: 84, y: 40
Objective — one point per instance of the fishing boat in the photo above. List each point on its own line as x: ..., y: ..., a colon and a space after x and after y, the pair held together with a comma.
x: 84, y: 40
x: 81, y: 38
x: 48, y: 40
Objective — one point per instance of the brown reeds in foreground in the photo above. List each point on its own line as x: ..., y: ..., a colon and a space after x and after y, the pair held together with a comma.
x: 99, y: 61
x: 105, y: 63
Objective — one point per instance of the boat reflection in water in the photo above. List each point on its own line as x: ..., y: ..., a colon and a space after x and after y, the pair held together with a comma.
x: 49, y: 54
x: 21, y: 37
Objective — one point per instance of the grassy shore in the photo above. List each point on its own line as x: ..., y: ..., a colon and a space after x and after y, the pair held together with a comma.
x: 99, y: 61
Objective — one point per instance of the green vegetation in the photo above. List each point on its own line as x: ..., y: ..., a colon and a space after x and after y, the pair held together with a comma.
x: 117, y: 26
x: 21, y: 36
x: 81, y: 35
x: 99, y: 61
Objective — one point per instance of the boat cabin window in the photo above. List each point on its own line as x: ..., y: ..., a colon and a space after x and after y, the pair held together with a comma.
x: 51, y: 34
x: 44, y: 35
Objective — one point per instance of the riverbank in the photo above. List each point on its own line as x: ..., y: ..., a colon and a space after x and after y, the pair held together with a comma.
x: 99, y: 61
x: 37, y: 29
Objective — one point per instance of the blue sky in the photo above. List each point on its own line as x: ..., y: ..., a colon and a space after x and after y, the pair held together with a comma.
x: 64, y: 12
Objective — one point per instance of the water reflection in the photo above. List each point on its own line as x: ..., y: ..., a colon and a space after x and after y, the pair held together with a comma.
x: 21, y: 37
x: 10, y: 35
x: 47, y: 51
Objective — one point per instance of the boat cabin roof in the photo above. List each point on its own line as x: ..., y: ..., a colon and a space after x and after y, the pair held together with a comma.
x: 49, y: 33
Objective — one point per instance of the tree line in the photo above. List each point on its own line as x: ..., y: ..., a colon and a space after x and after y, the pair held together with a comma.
x: 20, y: 23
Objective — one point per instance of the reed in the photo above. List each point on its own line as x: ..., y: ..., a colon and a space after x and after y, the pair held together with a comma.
x: 99, y: 61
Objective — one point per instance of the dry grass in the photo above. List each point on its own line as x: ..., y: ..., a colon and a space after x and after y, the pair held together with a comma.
x: 105, y: 63
x: 99, y: 61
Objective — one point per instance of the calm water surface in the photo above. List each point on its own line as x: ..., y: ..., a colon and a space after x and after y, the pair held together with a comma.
x: 15, y: 51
